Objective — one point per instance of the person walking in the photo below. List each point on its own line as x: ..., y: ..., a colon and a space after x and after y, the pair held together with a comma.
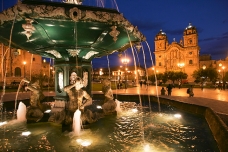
x: 179, y: 84
x: 141, y: 83
x: 190, y: 91
x: 163, y: 91
x: 201, y: 85
x: 169, y: 89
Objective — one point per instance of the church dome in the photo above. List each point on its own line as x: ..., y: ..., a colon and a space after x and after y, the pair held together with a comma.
x: 190, y: 29
x: 161, y: 35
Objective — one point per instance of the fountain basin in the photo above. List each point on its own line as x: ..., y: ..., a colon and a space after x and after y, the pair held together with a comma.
x: 125, y: 132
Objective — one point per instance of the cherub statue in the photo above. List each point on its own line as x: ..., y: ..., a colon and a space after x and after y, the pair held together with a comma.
x: 109, y: 105
x: 35, y: 110
x: 76, y: 96
x: 106, y: 89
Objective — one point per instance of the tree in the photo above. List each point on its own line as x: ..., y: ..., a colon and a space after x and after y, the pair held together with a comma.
x: 181, y: 75
x: 173, y: 76
x: 204, y: 74
x: 152, y: 78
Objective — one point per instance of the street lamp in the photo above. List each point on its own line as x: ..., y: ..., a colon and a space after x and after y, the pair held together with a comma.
x: 223, y: 75
x: 223, y: 78
x: 204, y: 67
x: 180, y: 65
x: 24, y: 68
x: 203, y: 77
x: 125, y: 61
x: 101, y: 73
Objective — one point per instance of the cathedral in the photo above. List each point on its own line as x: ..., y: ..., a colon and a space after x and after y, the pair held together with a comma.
x: 17, y: 64
x: 182, y: 56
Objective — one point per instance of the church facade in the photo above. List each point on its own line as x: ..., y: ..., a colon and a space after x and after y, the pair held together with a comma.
x: 182, y: 56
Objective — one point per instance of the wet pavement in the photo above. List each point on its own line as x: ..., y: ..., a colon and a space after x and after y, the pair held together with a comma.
x: 214, y: 98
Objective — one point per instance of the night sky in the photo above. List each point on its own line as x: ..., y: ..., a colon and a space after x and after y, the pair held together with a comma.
x: 210, y: 17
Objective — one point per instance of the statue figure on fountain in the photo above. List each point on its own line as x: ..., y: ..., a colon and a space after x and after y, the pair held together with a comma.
x: 76, y: 95
x: 79, y: 99
x: 36, y: 109
x: 109, y: 105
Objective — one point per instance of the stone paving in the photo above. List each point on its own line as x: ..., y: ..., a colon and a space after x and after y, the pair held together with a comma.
x: 214, y: 98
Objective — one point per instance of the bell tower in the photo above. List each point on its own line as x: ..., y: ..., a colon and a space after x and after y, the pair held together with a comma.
x: 190, y: 36
x: 160, y: 41
x: 191, y: 48
x: 161, y: 44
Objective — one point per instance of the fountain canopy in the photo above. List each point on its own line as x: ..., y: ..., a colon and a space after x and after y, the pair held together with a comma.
x: 63, y: 31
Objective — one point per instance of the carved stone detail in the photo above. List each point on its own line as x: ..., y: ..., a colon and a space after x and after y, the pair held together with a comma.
x: 73, y: 52
x: 114, y: 33
x: 55, y: 53
x: 47, y: 11
x: 75, y: 14
x: 28, y: 27
x: 89, y: 54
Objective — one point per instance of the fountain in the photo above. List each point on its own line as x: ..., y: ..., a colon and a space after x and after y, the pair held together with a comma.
x: 73, y: 35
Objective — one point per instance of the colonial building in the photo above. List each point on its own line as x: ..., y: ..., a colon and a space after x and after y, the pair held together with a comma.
x: 19, y: 64
x: 182, y: 56
x: 220, y: 65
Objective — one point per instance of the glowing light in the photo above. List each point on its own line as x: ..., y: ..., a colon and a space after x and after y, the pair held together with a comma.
x: 180, y: 65
x: 50, y: 25
x: 125, y: 60
x: 177, y: 116
x: 79, y: 141
x: 95, y: 28
x: 134, y: 110
x: 83, y: 143
x: 86, y: 143
x: 99, y: 107
x: 3, y: 123
x: 160, y: 114
x: 147, y: 148
x: 47, y: 111
x: 26, y: 133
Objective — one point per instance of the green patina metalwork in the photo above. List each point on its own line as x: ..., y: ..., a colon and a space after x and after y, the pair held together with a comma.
x: 61, y: 30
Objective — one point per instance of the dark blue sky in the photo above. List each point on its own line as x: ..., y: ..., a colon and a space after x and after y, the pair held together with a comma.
x: 210, y: 17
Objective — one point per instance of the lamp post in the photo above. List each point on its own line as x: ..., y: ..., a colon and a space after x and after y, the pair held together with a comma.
x: 101, y: 73
x: 223, y: 78
x: 180, y: 65
x: 223, y: 75
x: 125, y: 61
x: 24, y: 68
x: 203, y: 77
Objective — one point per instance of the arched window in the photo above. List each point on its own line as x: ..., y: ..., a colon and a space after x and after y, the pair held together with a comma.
x: 160, y: 64
x: 17, y: 72
x: 190, y: 62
